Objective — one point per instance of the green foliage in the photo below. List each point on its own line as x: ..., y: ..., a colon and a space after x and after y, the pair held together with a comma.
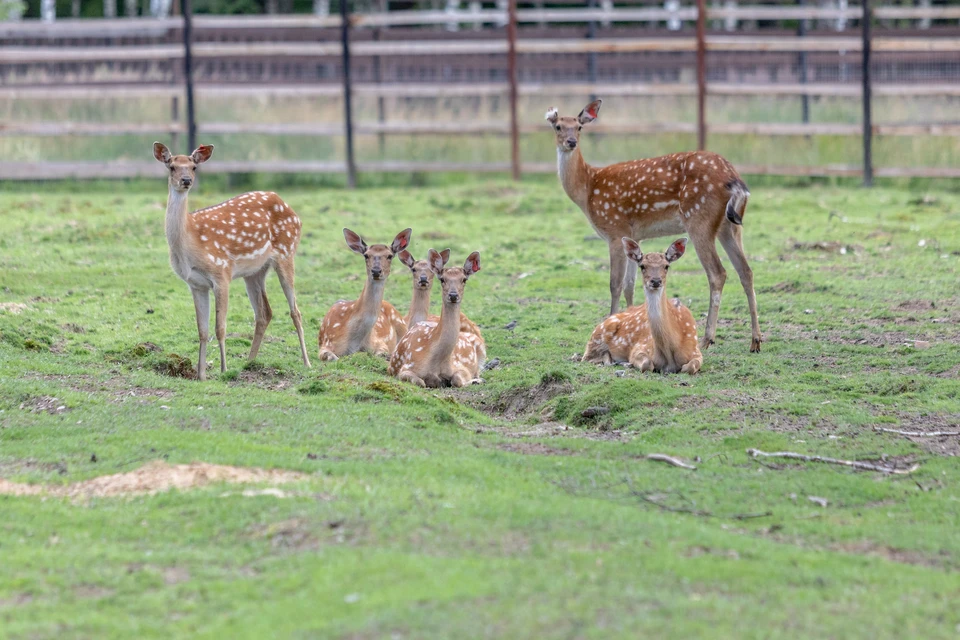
x: 523, y: 507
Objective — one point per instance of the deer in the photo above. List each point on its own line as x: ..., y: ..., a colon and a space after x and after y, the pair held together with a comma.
x: 698, y: 193
x: 659, y: 335
x: 423, y: 277
x: 437, y: 354
x: 369, y: 323
x: 243, y: 237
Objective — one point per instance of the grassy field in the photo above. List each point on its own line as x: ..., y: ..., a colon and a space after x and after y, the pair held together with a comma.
x: 499, y: 510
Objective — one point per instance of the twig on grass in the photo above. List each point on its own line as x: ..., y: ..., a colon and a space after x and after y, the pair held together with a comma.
x: 699, y: 512
x: 660, y: 457
x: 919, y: 434
x: 866, y: 466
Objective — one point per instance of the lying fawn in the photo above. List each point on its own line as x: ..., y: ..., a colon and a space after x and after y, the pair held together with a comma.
x: 437, y: 354
x: 660, y: 335
x: 240, y: 238
x: 699, y: 193
x: 423, y: 277
x: 369, y: 323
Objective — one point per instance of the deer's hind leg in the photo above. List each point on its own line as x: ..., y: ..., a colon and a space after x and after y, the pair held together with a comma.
x: 731, y: 238
x: 286, y: 272
x: 262, y: 313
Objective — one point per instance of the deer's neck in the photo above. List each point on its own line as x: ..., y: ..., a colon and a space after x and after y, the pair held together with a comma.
x: 420, y: 307
x: 177, y: 217
x: 576, y: 176
x: 448, y: 334
x: 367, y: 310
x: 663, y: 322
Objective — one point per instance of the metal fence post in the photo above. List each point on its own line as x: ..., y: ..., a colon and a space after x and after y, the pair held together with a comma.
x: 592, y: 56
x: 701, y: 74
x: 803, y: 69
x: 347, y: 109
x: 188, y: 74
x: 867, y: 97
x: 512, y: 73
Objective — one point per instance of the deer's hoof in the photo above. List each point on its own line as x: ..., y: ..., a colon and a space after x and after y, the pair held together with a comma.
x: 755, y: 345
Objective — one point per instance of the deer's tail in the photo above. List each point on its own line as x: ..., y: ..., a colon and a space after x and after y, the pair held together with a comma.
x: 738, y: 200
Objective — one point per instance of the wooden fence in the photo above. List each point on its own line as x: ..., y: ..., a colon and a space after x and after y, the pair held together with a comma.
x: 46, y: 47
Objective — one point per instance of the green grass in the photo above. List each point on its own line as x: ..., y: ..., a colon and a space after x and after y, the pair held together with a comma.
x: 424, y: 513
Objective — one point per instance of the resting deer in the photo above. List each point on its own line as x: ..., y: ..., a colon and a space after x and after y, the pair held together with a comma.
x: 437, y: 354
x: 240, y: 238
x: 423, y: 277
x: 697, y: 192
x: 369, y: 323
x: 660, y: 335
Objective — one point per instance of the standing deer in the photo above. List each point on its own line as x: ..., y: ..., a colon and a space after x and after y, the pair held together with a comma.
x: 423, y: 277
x: 240, y: 238
x: 697, y: 192
x: 369, y: 323
x: 433, y: 354
x: 660, y: 335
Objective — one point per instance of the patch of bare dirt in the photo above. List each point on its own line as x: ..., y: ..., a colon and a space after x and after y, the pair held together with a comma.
x: 44, y: 404
x: 868, y: 337
x: 264, y: 377
x: 17, y: 600
x: 916, y: 305
x: 525, y: 400
x: 175, y: 575
x: 14, y: 308
x: 533, y: 449
x: 795, y: 286
x: 831, y: 246
x: 73, y: 328
x: 904, y: 556
x: 154, y: 477
x: 697, y: 550
x: 92, y: 592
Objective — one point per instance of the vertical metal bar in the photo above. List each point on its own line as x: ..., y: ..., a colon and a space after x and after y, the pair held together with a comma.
x: 592, y: 56
x: 802, y: 62
x: 347, y: 108
x: 512, y: 73
x: 867, y: 97
x: 175, y: 118
x: 188, y: 73
x: 701, y: 74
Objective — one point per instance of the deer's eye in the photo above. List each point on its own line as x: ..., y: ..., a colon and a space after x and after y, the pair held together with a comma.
x: 666, y: 268
x: 558, y: 127
x: 441, y: 279
x: 642, y: 268
x: 579, y: 127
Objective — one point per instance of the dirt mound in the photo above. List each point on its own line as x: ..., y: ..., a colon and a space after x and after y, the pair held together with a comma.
x: 47, y: 404
x: 151, y: 478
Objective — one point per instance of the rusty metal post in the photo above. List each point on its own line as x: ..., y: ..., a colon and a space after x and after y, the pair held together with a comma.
x: 867, y: 98
x: 347, y: 109
x: 512, y: 76
x: 188, y: 73
x: 701, y: 74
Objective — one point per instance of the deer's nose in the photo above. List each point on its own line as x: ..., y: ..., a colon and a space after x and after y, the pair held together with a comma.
x: 656, y: 283
x: 423, y: 280
x: 454, y: 296
x: 376, y: 273
x: 572, y: 143
x: 186, y: 181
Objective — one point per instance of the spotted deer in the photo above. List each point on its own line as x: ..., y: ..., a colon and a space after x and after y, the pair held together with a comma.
x: 369, y: 323
x: 423, y: 277
x: 697, y: 192
x: 659, y: 335
x: 437, y: 354
x: 240, y: 238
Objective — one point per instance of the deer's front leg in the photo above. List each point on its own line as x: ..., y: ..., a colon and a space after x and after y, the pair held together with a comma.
x: 221, y: 297
x: 641, y: 357
x: 201, y: 304
x: 618, y: 269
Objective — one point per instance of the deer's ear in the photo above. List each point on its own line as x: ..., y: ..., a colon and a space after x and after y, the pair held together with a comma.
x: 406, y: 258
x: 202, y: 153
x: 435, y: 260
x: 675, y: 251
x: 355, y: 242
x: 632, y: 248
x: 401, y: 241
x: 445, y: 254
x: 161, y: 153
x: 590, y: 112
x: 552, y: 115
x: 472, y: 265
